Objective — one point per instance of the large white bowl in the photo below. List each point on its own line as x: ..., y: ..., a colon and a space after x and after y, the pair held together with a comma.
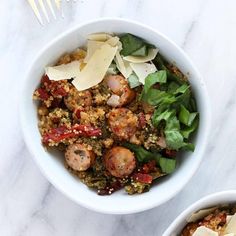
x: 52, y: 164
x: 212, y: 200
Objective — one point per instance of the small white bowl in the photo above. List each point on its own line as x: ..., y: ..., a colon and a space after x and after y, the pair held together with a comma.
x: 52, y: 165
x: 212, y: 200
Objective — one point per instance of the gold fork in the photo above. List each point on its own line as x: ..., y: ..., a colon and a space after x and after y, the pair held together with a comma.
x: 40, y: 8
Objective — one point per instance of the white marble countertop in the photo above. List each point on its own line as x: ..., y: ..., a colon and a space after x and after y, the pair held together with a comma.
x: 29, y: 204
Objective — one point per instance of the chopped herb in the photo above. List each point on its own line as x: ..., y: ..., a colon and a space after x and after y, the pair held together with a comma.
x: 130, y: 44
x: 143, y: 51
x: 167, y: 165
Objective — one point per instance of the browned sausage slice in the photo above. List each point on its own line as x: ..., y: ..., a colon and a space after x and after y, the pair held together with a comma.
x: 123, y: 94
x: 122, y: 122
x: 120, y: 162
x: 78, y: 157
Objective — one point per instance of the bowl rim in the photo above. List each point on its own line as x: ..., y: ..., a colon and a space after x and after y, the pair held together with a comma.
x: 198, y: 205
x: 203, y: 93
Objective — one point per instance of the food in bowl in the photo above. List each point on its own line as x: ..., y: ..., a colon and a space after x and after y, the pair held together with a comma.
x: 213, y: 221
x: 118, y: 111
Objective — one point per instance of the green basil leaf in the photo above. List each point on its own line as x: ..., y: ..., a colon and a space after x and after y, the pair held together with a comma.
x: 130, y: 44
x: 174, y: 138
x: 186, y: 117
x: 142, y: 154
x: 173, y: 86
x: 182, y: 89
x: 188, y: 130
x: 167, y: 165
x: 155, y: 97
x: 156, y: 77
x: 188, y: 147
x: 143, y: 51
x: 158, y: 116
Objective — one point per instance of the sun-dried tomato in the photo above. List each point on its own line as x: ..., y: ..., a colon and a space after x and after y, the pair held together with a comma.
x: 61, y: 133
x: 142, y: 178
x: 43, y: 95
x: 149, y: 167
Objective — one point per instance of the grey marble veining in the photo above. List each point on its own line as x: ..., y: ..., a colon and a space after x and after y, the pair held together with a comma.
x: 29, y: 204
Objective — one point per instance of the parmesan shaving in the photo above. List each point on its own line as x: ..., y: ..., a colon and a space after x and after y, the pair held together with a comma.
x: 64, y: 71
x: 200, y: 214
x: 204, y: 231
x: 152, y: 52
x: 113, y: 41
x: 142, y: 70
x: 231, y: 226
x: 99, y: 37
x: 96, y: 68
x: 123, y: 66
x: 94, y: 45
x: 91, y: 49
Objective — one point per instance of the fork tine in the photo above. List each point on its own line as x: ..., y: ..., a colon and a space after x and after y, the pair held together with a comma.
x: 44, y: 9
x: 36, y: 11
x: 58, y: 4
x: 51, y: 8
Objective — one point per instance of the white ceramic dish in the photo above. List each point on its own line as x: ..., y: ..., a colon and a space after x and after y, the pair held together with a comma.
x: 52, y: 165
x: 206, y: 202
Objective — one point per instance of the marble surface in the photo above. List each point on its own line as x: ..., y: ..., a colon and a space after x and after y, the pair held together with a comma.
x: 29, y: 204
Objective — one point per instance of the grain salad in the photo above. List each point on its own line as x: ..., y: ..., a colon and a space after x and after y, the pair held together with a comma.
x: 215, y: 221
x: 118, y: 111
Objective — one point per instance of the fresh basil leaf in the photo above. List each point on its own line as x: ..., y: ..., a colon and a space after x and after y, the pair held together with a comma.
x: 193, y: 104
x: 167, y: 165
x: 173, y: 86
x: 130, y: 44
x: 158, y: 116
x: 133, y: 81
x: 143, y: 51
x: 188, y: 130
x: 156, y: 77
x: 142, y: 154
x: 188, y: 147
x: 174, y: 138
x: 186, y: 117
x: 183, y: 99
x: 155, y: 97
x: 182, y: 89
x: 160, y: 63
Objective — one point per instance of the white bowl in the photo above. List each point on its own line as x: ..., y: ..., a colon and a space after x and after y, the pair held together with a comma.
x: 212, y: 200
x: 52, y: 165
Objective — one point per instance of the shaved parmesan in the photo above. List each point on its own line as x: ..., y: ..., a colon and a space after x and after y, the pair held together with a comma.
x: 142, y: 70
x: 204, y: 231
x: 92, y: 46
x: 123, y: 66
x: 228, y: 218
x: 99, y: 37
x: 152, y: 52
x: 200, y: 214
x: 113, y: 41
x: 96, y: 68
x: 231, y: 226
x: 64, y: 71
x: 91, y: 49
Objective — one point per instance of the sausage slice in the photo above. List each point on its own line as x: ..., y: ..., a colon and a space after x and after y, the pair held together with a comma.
x: 78, y: 157
x: 120, y: 162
